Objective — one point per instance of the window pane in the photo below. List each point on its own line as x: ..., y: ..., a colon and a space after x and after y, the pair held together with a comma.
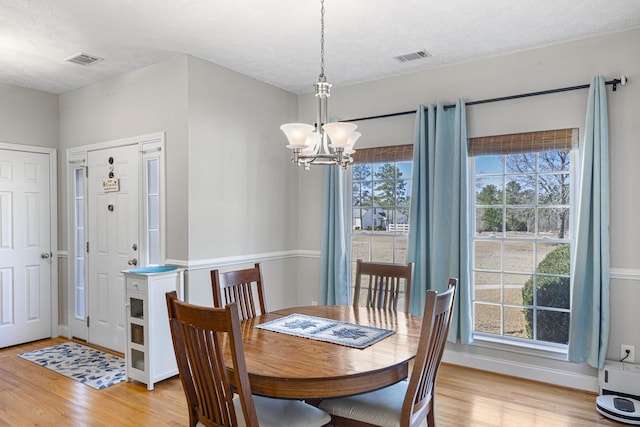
x: 79, y: 178
x: 515, y: 324
x: 520, y: 222
x: 154, y: 247
x: 487, y: 287
x: 400, y: 252
x: 154, y: 212
x: 553, y: 222
x: 382, y: 249
x: 521, y: 190
x: 80, y: 213
x: 553, y: 258
x: 488, y: 165
x: 361, y: 172
x: 403, y: 192
x: 405, y: 170
x: 518, y: 257
x: 153, y: 176
x: 489, y: 191
x: 487, y: 318
x: 487, y: 255
x: 521, y: 163
x: 360, y: 247
x: 553, y: 291
x: 488, y: 221
x: 514, y: 288
x: 552, y: 326
x: 555, y: 161
x: 362, y: 194
x: 554, y: 189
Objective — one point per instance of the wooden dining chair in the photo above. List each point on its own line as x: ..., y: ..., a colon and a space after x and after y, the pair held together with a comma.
x: 199, y: 335
x: 384, y: 284
x: 405, y: 403
x: 238, y: 286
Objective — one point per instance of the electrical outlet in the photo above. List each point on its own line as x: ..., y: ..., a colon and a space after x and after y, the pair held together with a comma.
x: 632, y: 353
x: 314, y: 302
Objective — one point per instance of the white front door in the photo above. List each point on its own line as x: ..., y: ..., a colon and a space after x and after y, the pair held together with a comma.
x: 25, y: 247
x: 113, y: 240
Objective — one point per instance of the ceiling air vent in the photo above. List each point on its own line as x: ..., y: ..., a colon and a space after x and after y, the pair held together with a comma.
x: 83, y: 59
x: 412, y: 56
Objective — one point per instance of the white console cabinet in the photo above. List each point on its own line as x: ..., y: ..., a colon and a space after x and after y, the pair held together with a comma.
x: 149, y: 355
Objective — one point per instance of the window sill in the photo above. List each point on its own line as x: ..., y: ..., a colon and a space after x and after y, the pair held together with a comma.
x: 556, y: 352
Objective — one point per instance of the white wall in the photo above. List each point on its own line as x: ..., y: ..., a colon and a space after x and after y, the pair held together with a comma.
x: 540, y: 69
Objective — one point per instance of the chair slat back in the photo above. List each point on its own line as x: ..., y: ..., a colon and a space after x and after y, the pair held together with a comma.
x: 433, y: 337
x: 237, y: 286
x: 384, y: 283
x: 199, y: 335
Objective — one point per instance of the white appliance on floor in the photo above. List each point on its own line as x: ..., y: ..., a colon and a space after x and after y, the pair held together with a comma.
x: 619, y: 392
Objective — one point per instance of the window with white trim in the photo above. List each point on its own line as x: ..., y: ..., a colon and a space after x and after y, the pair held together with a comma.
x: 522, y: 237
x: 380, y: 203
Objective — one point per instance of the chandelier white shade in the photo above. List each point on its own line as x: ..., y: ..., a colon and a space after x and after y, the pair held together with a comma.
x: 323, y: 143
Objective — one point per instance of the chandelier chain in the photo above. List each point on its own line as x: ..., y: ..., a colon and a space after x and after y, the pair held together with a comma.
x: 322, y: 76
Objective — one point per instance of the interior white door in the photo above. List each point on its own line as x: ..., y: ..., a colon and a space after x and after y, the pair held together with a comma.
x: 25, y: 247
x: 113, y: 240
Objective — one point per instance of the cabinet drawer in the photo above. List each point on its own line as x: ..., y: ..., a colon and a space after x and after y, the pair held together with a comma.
x: 137, y: 284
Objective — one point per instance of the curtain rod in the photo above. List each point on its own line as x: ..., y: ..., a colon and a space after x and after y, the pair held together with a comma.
x: 615, y: 82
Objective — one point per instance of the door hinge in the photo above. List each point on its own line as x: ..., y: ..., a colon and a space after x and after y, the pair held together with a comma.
x: 86, y: 171
x: 87, y: 247
x: 88, y: 322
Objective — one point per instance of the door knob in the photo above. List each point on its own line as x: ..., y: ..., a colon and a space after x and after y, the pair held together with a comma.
x: 133, y: 261
x: 46, y: 255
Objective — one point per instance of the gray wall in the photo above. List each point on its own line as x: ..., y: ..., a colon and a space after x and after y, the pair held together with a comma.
x: 546, y: 68
x: 28, y: 117
x: 230, y: 193
x: 242, y: 190
x: 152, y: 99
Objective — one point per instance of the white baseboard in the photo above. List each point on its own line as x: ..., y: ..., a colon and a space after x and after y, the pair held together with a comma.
x: 63, y: 331
x: 523, y: 370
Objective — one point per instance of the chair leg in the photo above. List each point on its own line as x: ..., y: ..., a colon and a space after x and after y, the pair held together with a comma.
x: 431, y: 419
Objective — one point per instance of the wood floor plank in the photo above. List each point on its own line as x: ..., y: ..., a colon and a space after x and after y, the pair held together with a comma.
x: 31, y: 395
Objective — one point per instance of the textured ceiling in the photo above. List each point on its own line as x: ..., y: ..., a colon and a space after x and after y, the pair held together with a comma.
x: 277, y: 41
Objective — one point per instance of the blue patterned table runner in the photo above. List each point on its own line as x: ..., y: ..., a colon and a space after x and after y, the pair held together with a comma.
x: 328, y: 330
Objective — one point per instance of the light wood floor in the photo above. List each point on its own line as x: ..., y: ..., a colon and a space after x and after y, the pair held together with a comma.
x: 31, y: 395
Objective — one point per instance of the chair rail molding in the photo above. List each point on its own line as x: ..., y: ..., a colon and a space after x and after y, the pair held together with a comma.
x: 207, y: 264
x: 625, y: 273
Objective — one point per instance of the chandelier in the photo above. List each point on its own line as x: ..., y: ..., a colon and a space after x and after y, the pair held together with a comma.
x: 310, y: 143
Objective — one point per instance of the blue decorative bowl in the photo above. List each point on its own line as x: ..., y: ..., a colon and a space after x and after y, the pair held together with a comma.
x: 152, y: 269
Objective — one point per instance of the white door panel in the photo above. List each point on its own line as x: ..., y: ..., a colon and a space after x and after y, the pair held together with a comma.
x: 113, y: 234
x: 25, y: 247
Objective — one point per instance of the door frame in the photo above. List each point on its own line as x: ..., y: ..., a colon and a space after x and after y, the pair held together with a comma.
x: 53, y: 220
x: 150, y: 146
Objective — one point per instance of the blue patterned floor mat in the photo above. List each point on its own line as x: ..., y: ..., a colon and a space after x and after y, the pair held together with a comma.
x: 89, y: 366
x: 328, y: 330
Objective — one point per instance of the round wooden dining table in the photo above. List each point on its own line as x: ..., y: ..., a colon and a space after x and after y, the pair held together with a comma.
x: 288, y: 366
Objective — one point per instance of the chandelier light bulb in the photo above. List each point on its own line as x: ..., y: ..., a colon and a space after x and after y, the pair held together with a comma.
x: 297, y: 134
x: 339, y: 133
